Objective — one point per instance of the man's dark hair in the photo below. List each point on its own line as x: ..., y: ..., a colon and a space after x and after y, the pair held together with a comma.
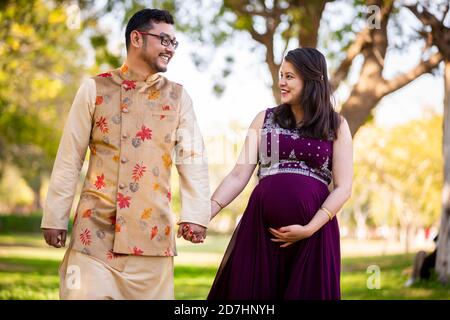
x: 144, y: 19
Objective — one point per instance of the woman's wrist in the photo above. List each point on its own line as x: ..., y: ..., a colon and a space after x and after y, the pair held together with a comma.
x: 215, y: 207
x: 328, y: 212
x: 218, y: 203
x: 309, y: 230
x: 318, y: 221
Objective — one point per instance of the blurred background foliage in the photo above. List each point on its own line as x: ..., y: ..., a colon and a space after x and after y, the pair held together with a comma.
x: 398, y: 171
x: 397, y: 179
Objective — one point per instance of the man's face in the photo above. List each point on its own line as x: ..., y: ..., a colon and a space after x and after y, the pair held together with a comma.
x: 156, y: 55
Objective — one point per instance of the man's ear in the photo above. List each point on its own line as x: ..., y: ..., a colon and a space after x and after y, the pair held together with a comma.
x: 135, y: 39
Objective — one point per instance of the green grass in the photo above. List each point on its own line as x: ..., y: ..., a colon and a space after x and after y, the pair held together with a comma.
x: 28, y: 270
x: 394, y: 271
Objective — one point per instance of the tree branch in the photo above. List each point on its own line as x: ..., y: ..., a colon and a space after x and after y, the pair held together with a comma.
x: 355, y: 48
x: 447, y: 7
x: 439, y: 32
x: 402, y: 80
x: 288, y: 38
x: 425, y: 17
x: 237, y: 6
x: 256, y: 35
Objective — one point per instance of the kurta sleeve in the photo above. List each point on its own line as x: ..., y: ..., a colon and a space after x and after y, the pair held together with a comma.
x: 192, y: 166
x: 69, y: 159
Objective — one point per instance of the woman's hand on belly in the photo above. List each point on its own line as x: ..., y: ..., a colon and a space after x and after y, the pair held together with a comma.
x: 289, y: 234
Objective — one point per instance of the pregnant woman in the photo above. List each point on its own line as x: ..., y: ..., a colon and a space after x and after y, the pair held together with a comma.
x: 286, y: 245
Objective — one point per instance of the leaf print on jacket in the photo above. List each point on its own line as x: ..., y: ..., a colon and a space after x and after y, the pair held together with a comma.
x: 105, y: 75
x: 85, y: 237
x: 154, y: 232
x: 138, y: 171
x: 123, y: 106
x: 145, y: 133
x: 102, y: 124
x: 98, y: 100
x: 168, y: 252
x: 146, y: 214
x: 111, y: 254
x: 87, y: 213
x: 167, y: 160
x: 100, y: 182
x: 167, y: 230
x: 112, y: 219
x: 129, y: 84
x: 124, y: 201
x: 154, y: 94
x: 137, y: 251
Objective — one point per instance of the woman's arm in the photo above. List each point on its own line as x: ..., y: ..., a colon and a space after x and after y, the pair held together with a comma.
x: 233, y: 184
x: 342, y: 180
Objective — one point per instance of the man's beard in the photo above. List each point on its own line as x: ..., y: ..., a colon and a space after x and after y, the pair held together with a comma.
x: 152, y: 64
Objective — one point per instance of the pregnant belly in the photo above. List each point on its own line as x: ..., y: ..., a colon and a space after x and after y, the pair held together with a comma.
x: 290, y: 198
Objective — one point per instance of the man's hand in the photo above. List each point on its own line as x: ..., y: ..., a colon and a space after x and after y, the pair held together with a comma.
x: 55, y: 237
x: 192, y: 232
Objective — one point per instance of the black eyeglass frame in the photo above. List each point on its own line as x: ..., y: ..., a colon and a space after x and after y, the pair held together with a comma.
x: 165, y: 40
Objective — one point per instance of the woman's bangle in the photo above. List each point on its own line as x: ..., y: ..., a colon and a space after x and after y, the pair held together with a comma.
x: 330, y: 215
x: 218, y: 203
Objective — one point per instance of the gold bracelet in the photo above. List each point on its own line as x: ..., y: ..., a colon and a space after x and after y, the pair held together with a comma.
x: 218, y: 203
x: 330, y: 215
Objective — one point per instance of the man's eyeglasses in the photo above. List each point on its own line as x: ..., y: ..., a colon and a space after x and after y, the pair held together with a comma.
x: 165, y: 40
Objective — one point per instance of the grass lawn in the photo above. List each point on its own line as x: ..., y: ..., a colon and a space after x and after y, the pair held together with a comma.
x: 28, y: 270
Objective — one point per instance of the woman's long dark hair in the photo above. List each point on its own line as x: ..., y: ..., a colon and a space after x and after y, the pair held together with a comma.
x: 319, y: 120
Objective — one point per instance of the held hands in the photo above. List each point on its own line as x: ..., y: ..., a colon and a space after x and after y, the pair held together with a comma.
x: 290, y: 234
x: 55, y: 237
x: 192, y: 232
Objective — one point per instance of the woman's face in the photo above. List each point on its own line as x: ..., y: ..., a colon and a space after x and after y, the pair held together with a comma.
x: 290, y: 84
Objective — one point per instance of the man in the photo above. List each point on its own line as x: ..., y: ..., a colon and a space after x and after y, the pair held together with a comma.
x: 133, y: 120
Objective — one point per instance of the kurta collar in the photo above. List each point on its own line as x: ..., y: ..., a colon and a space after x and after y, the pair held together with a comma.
x: 126, y: 77
x: 127, y: 74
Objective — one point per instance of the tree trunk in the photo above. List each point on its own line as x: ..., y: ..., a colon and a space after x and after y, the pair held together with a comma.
x: 274, y: 69
x: 36, y: 188
x: 407, y: 237
x: 358, y: 107
x: 308, y: 32
x: 37, y: 205
x: 443, y: 250
x: 361, y: 226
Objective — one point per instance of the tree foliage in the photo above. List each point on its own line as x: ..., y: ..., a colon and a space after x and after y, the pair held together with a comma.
x: 39, y: 72
x: 398, y: 173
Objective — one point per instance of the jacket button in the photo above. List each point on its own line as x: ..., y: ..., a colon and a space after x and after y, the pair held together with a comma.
x: 121, y: 186
x: 123, y: 160
x: 125, y: 110
x: 124, y: 136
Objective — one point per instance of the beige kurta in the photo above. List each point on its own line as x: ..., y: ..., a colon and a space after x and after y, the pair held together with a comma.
x: 135, y: 130
x: 83, y: 277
